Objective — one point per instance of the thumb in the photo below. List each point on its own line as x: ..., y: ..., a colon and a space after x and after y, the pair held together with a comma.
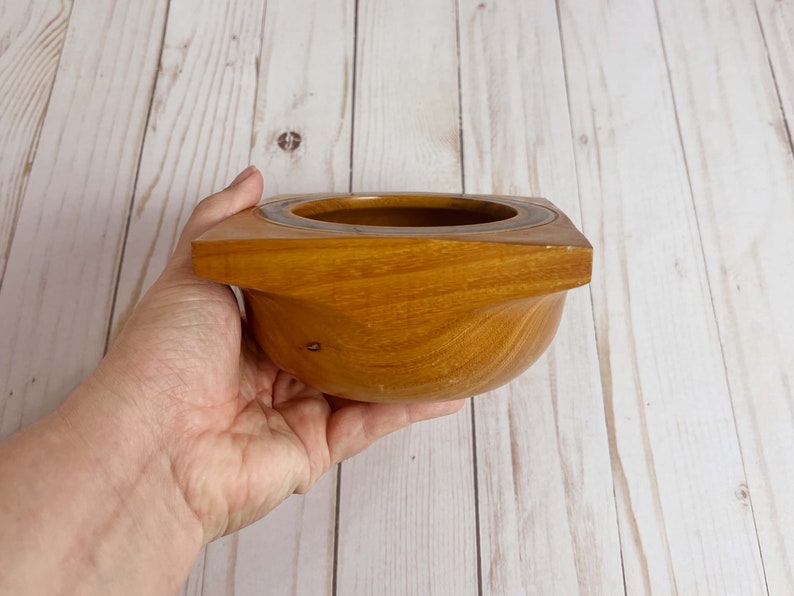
x: 245, y: 191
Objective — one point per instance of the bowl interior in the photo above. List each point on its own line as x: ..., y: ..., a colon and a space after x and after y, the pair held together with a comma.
x: 404, y: 211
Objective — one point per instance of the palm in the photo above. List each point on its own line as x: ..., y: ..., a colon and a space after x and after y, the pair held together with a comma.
x: 242, y: 434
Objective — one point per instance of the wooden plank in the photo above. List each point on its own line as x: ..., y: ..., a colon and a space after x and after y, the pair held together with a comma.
x: 305, y: 89
x: 301, y: 141
x: 197, y: 139
x: 742, y: 174
x: 407, y: 517
x: 31, y: 39
x: 684, y: 521
x: 547, y: 511
x: 777, y: 25
x: 58, y: 285
x: 199, y: 131
x: 218, y: 570
x: 291, y: 550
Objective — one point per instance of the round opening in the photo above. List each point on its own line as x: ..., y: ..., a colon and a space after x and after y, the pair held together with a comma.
x: 405, y: 211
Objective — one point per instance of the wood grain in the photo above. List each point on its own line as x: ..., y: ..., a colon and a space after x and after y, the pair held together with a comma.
x: 291, y: 551
x: 305, y: 93
x: 547, y: 513
x: 436, y: 359
x: 685, y: 524
x: 681, y: 119
x: 218, y: 572
x: 374, y: 311
x: 31, y: 39
x: 304, y: 85
x: 198, y: 134
x: 777, y: 27
x: 58, y: 285
x: 741, y: 172
x: 407, y: 517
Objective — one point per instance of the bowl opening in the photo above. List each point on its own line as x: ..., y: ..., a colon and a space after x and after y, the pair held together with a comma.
x: 404, y: 211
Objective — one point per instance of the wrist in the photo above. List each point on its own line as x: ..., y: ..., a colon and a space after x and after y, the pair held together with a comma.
x: 119, y: 446
x: 88, y: 504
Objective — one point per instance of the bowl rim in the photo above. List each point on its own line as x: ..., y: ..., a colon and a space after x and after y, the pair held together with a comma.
x: 523, y: 214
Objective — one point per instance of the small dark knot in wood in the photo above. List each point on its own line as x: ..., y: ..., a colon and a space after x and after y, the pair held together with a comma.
x: 289, y: 141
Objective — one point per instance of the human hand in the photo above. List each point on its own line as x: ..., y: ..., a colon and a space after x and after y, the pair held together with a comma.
x: 239, y: 434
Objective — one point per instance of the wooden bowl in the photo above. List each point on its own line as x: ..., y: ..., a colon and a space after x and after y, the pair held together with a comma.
x: 400, y: 297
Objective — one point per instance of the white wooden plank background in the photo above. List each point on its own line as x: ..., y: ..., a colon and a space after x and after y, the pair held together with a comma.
x: 406, y: 509
x: 742, y: 174
x: 31, y: 38
x: 59, y: 281
x: 676, y: 461
x: 292, y: 550
x: 651, y: 450
x: 547, y: 513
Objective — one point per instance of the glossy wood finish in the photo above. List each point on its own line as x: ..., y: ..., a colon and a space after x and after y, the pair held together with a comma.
x: 647, y: 451
x: 547, y: 520
x: 390, y: 298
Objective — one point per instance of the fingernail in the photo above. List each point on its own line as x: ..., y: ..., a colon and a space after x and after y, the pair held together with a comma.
x: 242, y: 176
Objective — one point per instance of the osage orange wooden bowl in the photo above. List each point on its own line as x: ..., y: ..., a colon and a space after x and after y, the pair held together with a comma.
x: 400, y: 297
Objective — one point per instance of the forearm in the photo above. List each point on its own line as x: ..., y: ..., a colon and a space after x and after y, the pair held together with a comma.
x: 88, y: 506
